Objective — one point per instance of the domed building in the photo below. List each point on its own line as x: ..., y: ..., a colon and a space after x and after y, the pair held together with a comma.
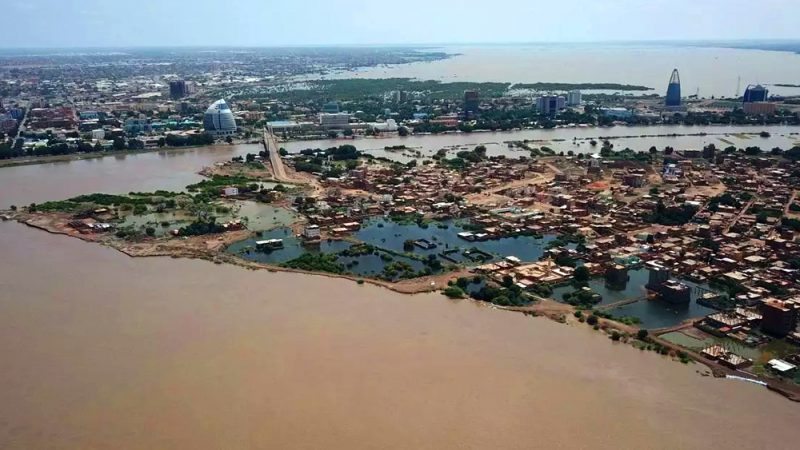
x: 219, y: 120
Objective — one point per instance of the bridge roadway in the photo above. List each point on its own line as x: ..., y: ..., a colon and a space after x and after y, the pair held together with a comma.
x: 275, y: 160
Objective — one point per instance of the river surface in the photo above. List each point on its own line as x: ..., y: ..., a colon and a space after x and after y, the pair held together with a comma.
x: 576, y: 139
x: 102, y: 351
x: 175, y: 169
x: 709, y: 71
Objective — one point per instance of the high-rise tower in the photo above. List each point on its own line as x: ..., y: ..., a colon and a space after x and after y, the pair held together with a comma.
x: 674, y: 90
x: 755, y: 93
x: 219, y: 120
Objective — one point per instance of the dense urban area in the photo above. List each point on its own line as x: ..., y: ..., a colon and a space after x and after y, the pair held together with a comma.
x: 693, y: 253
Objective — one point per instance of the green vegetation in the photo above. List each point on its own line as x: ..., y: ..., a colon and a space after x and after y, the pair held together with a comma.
x: 316, y: 262
x: 565, y: 260
x: 136, y: 201
x: 791, y: 223
x: 673, y: 215
x: 725, y: 199
x: 454, y: 292
x: 583, y: 298
x: 542, y: 290
x: 359, y: 89
x: 201, y: 227
x: 507, y: 295
x: 582, y: 86
x: 731, y: 287
x: 793, y: 153
x: 627, y: 320
x: 463, y: 159
x: 357, y: 250
x: 398, y: 269
x: 315, y: 160
x: 213, y: 187
x: 581, y: 274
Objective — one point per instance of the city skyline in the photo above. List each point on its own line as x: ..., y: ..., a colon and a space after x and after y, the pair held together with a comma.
x: 248, y: 23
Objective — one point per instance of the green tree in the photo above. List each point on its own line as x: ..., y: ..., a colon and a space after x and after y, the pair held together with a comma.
x: 581, y: 274
x: 119, y: 143
x: 454, y: 292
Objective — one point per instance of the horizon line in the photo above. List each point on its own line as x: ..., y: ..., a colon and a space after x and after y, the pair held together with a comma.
x: 413, y: 44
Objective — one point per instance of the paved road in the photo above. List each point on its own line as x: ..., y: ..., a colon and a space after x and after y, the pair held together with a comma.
x: 739, y: 215
x: 278, y: 169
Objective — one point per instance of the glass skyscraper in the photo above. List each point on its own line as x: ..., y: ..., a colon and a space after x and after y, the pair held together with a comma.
x: 674, y: 90
x: 755, y: 93
x: 219, y: 120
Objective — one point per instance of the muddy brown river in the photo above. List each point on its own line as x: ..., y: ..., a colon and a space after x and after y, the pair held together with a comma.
x: 100, y: 351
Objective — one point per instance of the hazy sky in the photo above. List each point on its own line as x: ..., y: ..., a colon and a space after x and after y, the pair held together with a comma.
x: 104, y: 23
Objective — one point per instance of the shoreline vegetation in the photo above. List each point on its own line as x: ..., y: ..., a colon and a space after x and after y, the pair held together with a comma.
x: 44, y: 159
x: 541, y: 86
x: 358, y: 88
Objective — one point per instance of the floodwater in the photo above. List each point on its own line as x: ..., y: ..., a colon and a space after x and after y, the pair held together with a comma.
x: 258, y: 216
x: 175, y: 169
x: 391, y: 235
x: 292, y: 247
x: 367, y: 265
x: 651, y: 313
x: 386, y: 234
x: 101, y: 350
x: 709, y: 71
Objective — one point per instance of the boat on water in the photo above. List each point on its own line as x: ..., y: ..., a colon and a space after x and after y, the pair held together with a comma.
x: 269, y: 244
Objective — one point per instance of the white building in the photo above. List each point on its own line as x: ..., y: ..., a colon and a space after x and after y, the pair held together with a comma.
x: 574, y: 98
x: 338, y: 120
x: 389, y: 125
x: 311, y: 232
